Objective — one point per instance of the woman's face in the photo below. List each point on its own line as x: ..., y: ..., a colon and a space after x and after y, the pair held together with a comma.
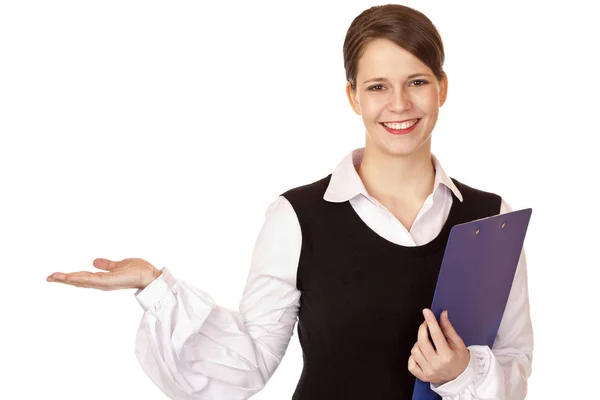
x: 393, y: 87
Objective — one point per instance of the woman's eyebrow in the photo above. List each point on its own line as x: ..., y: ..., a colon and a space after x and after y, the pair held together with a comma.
x: 382, y: 79
x: 375, y: 80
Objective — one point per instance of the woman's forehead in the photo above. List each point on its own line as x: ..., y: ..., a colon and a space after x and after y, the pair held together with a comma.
x: 382, y: 57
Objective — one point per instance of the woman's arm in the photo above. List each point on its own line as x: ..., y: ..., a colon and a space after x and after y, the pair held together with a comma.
x: 502, y: 371
x: 193, y: 349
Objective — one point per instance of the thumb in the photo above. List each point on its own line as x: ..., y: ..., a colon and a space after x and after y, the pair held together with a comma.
x: 451, y: 335
x: 104, y: 264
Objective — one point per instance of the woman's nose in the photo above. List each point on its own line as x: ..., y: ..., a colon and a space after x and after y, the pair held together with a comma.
x: 399, y: 101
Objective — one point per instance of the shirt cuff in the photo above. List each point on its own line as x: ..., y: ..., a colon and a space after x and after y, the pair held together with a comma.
x: 476, y: 368
x: 157, y: 290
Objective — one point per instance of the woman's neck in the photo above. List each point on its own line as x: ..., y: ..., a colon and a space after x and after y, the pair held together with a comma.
x: 398, y: 179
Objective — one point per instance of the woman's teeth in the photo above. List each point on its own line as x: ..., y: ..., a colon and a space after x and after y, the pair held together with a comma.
x: 400, y: 125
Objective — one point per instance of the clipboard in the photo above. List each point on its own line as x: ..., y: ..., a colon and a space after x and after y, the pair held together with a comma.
x: 476, y: 275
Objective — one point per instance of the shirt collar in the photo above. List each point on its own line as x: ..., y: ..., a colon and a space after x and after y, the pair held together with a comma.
x: 345, y: 182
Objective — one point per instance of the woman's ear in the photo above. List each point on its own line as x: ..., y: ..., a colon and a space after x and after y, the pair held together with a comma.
x: 352, y: 98
x: 443, y: 83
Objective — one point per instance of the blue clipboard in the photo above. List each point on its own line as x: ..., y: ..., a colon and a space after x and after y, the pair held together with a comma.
x: 476, y: 275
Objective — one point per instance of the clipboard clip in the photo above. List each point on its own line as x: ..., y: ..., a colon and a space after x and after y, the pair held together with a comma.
x: 477, y: 230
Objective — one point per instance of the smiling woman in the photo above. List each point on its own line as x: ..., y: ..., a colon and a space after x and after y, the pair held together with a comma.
x: 353, y: 258
x: 396, y: 93
x: 392, y: 71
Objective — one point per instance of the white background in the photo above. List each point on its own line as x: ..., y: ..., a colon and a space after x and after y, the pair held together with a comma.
x: 162, y: 130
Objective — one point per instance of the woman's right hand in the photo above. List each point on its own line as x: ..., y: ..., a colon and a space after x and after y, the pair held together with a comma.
x: 130, y: 273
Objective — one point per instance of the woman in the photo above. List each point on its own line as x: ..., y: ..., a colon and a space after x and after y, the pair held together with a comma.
x: 352, y: 257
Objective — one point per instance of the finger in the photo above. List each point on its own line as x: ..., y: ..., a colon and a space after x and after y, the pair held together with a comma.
x: 105, y: 264
x: 57, y: 276
x: 95, y: 280
x: 418, y: 356
x: 76, y: 284
x: 414, y: 368
x: 425, y: 344
x: 436, y: 332
x: 81, y: 279
x: 65, y: 282
x: 453, y: 338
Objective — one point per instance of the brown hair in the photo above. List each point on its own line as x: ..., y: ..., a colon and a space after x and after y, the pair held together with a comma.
x: 408, y: 28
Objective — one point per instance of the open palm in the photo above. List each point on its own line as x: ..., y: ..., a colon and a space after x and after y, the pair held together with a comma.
x: 130, y: 273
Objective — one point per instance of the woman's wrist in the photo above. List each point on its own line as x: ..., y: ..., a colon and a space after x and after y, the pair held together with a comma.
x: 149, y: 278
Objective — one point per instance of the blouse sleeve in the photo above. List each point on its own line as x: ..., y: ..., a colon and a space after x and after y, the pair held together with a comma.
x: 192, y: 348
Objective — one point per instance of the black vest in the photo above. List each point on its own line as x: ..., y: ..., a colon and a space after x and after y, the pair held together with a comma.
x: 362, y: 296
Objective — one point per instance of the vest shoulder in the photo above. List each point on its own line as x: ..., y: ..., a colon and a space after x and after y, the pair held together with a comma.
x: 314, y: 190
x: 472, y: 190
x: 471, y: 194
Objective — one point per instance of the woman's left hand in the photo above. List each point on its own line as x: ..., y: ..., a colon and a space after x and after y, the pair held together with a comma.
x: 447, y: 360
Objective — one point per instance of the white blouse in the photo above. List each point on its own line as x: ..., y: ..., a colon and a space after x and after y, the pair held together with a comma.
x: 194, y: 349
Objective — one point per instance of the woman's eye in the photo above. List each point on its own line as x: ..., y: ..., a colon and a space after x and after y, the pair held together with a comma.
x: 373, y: 88
x: 419, y: 82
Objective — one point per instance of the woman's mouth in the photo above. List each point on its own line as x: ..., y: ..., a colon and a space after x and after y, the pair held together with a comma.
x: 400, y: 128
